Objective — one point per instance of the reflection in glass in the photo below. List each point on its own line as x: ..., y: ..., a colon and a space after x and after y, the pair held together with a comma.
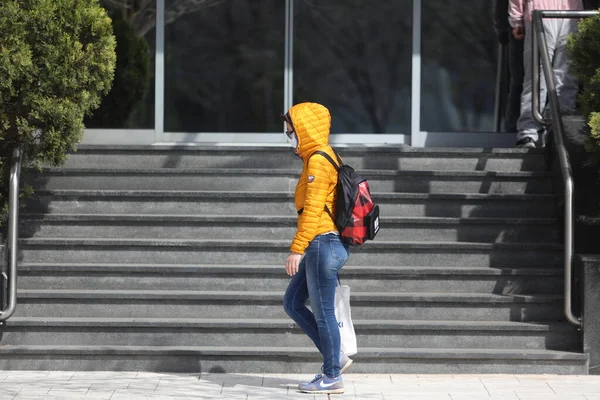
x: 130, y: 103
x: 459, y: 56
x: 355, y: 58
x: 224, y: 66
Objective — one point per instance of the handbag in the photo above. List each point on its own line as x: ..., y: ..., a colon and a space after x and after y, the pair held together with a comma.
x: 343, y: 316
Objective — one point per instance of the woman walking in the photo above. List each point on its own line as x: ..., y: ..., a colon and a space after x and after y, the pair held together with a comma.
x: 317, y: 253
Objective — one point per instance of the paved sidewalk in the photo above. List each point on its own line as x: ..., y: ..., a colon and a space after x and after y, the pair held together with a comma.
x: 154, y: 386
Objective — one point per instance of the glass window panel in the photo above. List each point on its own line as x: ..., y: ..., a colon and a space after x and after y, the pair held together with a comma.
x: 130, y: 103
x: 224, y: 63
x: 459, y: 55
x: 354, y: 56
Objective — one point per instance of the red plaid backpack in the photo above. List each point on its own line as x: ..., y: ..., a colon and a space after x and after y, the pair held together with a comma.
x: 356, y: 216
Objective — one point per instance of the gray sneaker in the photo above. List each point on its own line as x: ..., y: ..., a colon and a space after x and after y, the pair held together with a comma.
x: 345, y: 363
x: 316, y: 378
x: 323, y: 385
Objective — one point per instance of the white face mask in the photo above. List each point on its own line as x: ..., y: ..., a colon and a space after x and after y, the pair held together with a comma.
x: 292, y: 139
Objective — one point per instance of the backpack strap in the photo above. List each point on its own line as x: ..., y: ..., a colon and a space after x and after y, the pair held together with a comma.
x: 338, y: 157
x: 328, y: 157
x: 300, y: 211
x: 330, y: 214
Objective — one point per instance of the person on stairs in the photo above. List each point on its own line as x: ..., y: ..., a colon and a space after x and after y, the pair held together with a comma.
x: 557, y: 33
x: 515, y: 64
x: 316, y: 253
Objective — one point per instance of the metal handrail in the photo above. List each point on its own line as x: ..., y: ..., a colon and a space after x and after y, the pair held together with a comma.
x: 540, y: 49
x: 13, y: 231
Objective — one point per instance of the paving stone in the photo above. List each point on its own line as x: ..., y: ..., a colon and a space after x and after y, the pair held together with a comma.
x: 504, y: 397
x: 150, y: 386
x: 147, y: 386
x: 66, y: 394
x: 378, y: 396
x: 99, y: 394
x: 393, y: 396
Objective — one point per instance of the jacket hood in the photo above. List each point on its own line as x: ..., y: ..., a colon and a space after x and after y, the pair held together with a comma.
x: 312, y: 123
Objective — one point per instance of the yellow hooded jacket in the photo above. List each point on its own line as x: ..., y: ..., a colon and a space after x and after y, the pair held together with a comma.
x: 316, y: 187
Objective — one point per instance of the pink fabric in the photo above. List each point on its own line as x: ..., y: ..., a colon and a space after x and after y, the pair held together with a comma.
x: 520, y: 10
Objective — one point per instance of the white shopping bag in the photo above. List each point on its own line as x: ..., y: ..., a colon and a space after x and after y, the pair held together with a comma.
x: 344, y: 318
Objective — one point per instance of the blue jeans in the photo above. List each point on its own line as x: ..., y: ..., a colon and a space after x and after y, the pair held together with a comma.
x: 316, y: 280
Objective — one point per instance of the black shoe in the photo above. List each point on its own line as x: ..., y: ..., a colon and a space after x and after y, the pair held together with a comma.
x: 526, y: 142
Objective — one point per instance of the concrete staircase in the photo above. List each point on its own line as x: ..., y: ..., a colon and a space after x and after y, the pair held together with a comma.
x: 166, y: 259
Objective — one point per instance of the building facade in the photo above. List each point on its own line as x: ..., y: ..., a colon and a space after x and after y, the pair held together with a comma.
x: 415, y: 72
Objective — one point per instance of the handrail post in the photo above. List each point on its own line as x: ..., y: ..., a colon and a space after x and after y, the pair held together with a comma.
x: 13, y: 234
x: 568, y: 262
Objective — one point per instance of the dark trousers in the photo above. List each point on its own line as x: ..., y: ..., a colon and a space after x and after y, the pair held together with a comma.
x: 516, y: 74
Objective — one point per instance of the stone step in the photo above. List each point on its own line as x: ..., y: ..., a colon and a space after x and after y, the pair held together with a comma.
x: 273, y: 278
x: 270, y: 180
x: 141, y: 247
x: 200, y: 359
x: 272, y: 252
x: 280, y: 203
x: 388, y: 157
x: 284, y: 333
x: 276, y: 227
x: 247, y: 304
